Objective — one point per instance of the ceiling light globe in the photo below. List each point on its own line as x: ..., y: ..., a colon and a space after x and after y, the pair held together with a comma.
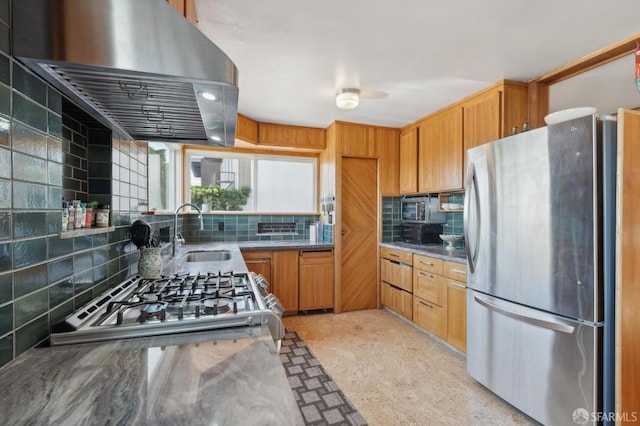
x: 347, y: 98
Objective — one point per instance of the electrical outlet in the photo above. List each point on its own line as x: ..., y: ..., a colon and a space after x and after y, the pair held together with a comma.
x: 220, y: 226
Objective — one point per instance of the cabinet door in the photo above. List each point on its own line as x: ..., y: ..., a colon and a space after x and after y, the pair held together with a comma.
x: 388, y: 148
x: 409, y: 161
x: 431, y: 317
x: 285, y: 278
x: 316, y: 280
x: 482, y: 120
x: 356, y: 140
x: 259, y: 261
x: 430, y: 287
x: 440, y: 152
x: 457, y: 315
x: 397, y: 274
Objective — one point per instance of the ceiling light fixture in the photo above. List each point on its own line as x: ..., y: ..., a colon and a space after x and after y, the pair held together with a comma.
x: 347, y: 98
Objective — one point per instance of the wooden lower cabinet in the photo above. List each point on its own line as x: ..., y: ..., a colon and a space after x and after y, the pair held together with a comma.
x: 316, y: 279
x: 397, y: 300
x: 258, y: 261
x: 285, y: 278
x: 430, y: 316
x: 457, y: 315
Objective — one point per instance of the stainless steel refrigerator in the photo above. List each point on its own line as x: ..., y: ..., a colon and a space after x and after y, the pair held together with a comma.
x: 539, y: 226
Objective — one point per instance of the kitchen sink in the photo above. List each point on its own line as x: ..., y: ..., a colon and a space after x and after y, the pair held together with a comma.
x: 207, y: 256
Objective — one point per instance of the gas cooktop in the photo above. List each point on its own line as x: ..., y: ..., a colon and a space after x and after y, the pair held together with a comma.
x: 180, y: 303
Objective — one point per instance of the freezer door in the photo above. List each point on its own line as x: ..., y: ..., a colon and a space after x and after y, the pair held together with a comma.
x: 544, y: 365
x: 531, y: 219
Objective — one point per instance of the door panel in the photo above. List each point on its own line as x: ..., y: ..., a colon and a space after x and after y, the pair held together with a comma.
x: 359, y: 234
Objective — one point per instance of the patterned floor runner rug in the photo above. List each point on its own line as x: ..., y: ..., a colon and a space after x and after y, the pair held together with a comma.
x: 319, y: 398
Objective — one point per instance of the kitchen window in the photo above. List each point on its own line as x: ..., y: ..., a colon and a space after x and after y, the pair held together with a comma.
x: 163, y: 172
x: 251, y: 182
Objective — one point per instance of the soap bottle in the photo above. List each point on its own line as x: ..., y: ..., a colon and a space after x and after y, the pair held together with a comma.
x: 72, y: 217
x: 65, y: 215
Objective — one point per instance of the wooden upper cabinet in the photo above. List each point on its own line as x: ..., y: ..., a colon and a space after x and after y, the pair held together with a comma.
x: 388, y: 149
x: 356, y: 140
x: 291, y: 136
x: 409, y: 160
x: 247, y: 129
x: 440, y: 152
x: 482, y: 119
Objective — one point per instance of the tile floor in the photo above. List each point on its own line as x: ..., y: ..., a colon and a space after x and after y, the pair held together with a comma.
x: 396, y: 374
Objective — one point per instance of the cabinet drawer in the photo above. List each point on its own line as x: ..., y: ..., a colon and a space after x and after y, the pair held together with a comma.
x: 431, y: 317
x: 314, y: 257
x: 397, y: 274
x: 397, y: 300
x: 455, y: 271
x: 398, y: 255
x: 430, y: 287
x: 429, y: 264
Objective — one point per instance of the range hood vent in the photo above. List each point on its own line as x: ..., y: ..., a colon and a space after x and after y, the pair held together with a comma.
x: 136, y: 66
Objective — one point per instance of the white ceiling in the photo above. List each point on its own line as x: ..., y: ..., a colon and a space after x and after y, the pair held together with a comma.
x: 408, y: 57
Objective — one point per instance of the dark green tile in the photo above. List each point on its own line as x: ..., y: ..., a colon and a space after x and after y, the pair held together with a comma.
x: 5, y: 164
x: 100, y: 255
x: 5, y: 224
x: 5, y: 67
x: 54, y: 202
x: 29, y: 252
x: 5, y: 45
x: 28, y: 168
x: 55, y: 124
x: 82, y: 243
x: 6, y: 349
x: 5, y: 100
x: 31, y: 334
x: 6, y: 287
x: 30, y: 279
x: 29, y: 112
x: 100, y: 273
x: 5, y: 190
x: 82, y: 299
x: 59, y: 269
x: 4, y: 11
x: 82, y: 282
x: 29, y: 85
x: 29, y: 196
x: 82, y: 262
x: 30, y: 307
x: 54, y: 150
x: 5, y: 127
x: 29, y: 141
x: 29, y: 225
x: 54, y: 101
x: 58, y: 314
x: 55, y: 173
x: 60, y: 292
x: 58, y: 247
x: 5, y: 256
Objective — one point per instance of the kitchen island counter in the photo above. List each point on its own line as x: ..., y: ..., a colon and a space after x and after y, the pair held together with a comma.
x: 227, y: 377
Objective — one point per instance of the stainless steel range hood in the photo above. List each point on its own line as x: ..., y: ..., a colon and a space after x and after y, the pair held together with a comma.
x: 135, y: 65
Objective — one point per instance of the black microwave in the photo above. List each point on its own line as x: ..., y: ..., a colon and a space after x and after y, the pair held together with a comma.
x: 421, y: 233
x: 421, y: 210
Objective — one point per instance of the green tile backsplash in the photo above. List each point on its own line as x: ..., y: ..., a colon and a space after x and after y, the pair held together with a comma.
x: 49, y: 149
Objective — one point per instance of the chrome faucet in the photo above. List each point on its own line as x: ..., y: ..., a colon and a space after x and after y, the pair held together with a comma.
x: 177, y: 238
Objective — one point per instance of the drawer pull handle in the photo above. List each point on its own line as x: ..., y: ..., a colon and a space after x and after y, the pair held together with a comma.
x: 456, y: 284
x: 426, y: 305
x: 458, y: 271
x: 394, y: 255
x: 426, y: 275
x: 426, y: 263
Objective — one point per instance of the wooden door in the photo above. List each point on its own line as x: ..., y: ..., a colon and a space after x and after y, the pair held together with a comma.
x: 627, y: 265
x: 429, y: 154
x: 450, y: 150
x: 457, y: 315
x: 285, y: 278
x: 358, y: 278
x: 316, y: 280
x: 387, y: 147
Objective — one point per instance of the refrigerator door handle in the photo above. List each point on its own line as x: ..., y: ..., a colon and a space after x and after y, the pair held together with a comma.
x: 555, y: 326
x: 471, y: 185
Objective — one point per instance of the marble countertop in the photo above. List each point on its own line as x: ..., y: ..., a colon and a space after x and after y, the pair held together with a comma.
x: 226, y: 377
x: 434, y: 250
